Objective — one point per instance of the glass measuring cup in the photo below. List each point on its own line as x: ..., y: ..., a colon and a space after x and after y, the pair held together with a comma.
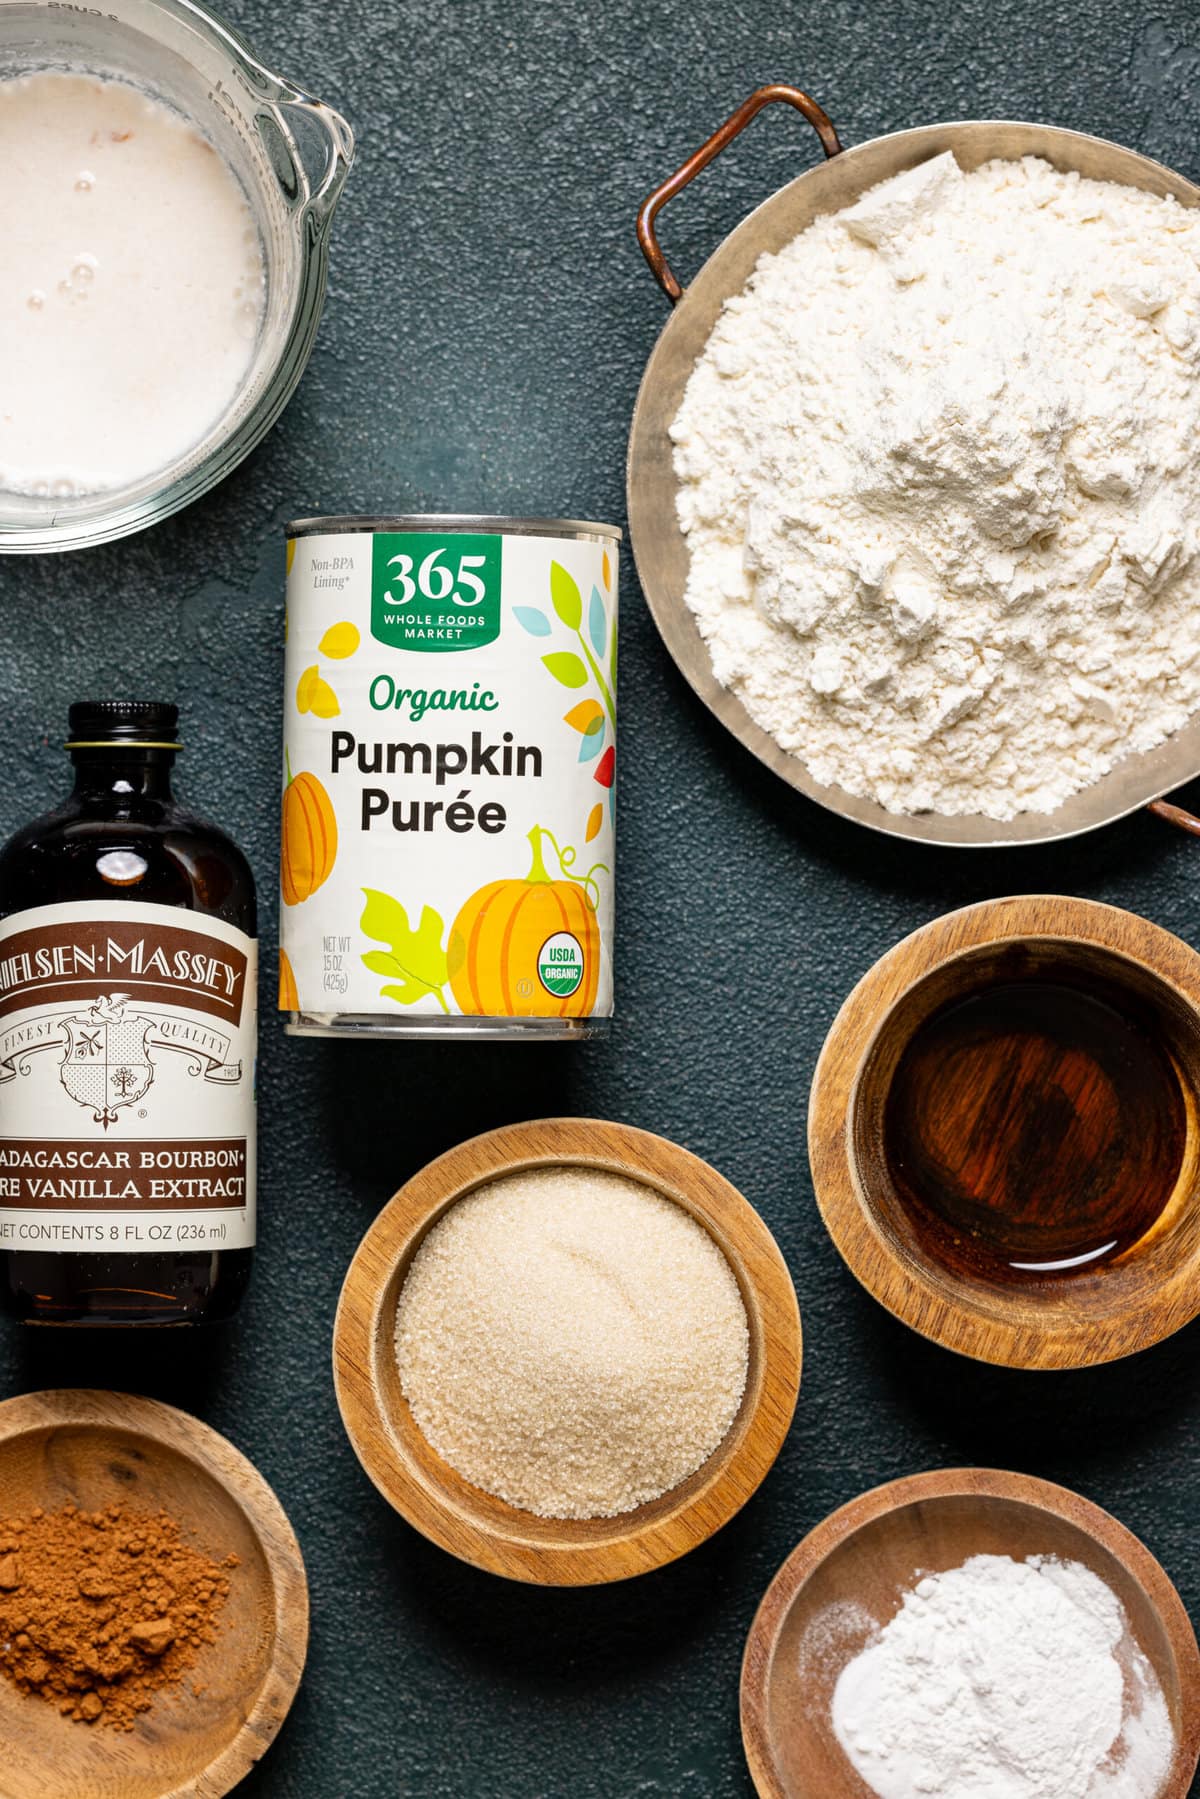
x: 291, y: 154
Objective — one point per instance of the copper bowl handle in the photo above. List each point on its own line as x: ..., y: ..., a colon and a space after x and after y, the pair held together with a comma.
x: 660, y: 268
x: 1175, y: 815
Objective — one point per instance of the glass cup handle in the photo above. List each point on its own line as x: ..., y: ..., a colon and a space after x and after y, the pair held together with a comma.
x: 338, y: 138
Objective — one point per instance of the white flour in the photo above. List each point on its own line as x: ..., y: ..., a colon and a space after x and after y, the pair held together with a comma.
x: 940, y: 479
x: 1006, y: 1680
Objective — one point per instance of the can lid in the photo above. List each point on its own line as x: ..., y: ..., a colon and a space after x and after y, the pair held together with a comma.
x: 481, y: 523
x: 133, y: 724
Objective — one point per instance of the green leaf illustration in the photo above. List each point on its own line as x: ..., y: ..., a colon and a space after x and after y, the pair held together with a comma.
x: 416, y: 961
x: 568, y: 601
x: 381, y: 961
x: 597, y: 622
x: 408, y: 995
x: 566, y: 668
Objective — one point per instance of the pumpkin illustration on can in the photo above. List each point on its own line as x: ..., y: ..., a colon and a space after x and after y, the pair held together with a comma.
x: 289, y: 996
x: 527, y: 948
x: 308, y: 847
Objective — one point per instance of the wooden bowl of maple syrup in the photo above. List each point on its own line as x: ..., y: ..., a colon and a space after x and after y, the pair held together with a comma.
x: 1005, y: 1132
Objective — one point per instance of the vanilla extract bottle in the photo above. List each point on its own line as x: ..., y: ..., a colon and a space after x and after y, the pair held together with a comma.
x: 128, y: 1020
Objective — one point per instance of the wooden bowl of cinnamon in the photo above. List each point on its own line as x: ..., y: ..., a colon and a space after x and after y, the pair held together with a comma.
x: 153, y: 1602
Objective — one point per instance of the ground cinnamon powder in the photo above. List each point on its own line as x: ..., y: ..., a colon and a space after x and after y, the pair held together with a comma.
x: 100, y: 1610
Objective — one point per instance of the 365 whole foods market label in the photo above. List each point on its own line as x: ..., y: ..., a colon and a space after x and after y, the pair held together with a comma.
x: 449, y: 724
x: 127, y: 1045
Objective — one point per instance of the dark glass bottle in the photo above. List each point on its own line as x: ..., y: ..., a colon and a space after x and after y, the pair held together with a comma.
x: 127, y: 1037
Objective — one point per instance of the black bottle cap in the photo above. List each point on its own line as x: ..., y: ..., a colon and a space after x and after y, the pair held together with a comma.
x: 138, y: 724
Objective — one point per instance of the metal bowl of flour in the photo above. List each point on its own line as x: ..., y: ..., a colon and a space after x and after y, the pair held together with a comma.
x: 659, y: 546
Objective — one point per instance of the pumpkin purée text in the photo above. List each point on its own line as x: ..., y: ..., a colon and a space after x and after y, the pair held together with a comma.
x: 502, y: 759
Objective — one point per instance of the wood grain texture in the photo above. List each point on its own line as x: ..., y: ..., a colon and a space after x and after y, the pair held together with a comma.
x: 94, y: 1449
x: 866, y: 1556
x: 1122, y: 1305
x: 484, y: 1530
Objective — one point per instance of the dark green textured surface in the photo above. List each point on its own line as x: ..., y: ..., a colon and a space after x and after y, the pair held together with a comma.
x: 488, y: 320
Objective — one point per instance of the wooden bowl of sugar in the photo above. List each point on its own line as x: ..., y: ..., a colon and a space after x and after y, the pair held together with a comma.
x: 1004, y: 1132
x: 477, y: 1525
x: 200, y: 1737
x: 847, y: 1581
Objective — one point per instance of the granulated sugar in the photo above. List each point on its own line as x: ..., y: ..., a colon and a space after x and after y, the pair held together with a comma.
x: 571, y: 1342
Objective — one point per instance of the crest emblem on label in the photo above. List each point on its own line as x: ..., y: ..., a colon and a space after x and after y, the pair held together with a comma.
x: 107, y: 1062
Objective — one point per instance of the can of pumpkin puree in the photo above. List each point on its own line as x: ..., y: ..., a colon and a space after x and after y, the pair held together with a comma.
x: 448, y: 761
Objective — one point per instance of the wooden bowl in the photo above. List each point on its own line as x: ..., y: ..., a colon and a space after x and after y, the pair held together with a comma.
x: 1074, y: 1320
x: 94, y: 1449
x: 485, y: 1530
x: 852, y: 1571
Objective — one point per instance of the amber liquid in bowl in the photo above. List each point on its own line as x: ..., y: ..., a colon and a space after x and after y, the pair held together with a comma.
x: 1034, y: 1130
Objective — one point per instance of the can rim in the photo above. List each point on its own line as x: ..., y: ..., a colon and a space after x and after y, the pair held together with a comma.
x: 481, y: 522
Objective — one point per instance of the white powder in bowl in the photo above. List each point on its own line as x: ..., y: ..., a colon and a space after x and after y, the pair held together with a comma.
x: 572, y: 1342
x: 939, y: 473
x: 1006, y: 1680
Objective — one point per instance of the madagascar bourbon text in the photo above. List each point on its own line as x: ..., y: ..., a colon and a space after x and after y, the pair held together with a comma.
x: 126, y: 1079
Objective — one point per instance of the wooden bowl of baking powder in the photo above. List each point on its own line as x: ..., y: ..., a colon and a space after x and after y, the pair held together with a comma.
x: 849, y: 1576
x: 481, y: 1528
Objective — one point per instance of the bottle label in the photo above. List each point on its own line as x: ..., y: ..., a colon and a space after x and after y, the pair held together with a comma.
x: 127, y: 1052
